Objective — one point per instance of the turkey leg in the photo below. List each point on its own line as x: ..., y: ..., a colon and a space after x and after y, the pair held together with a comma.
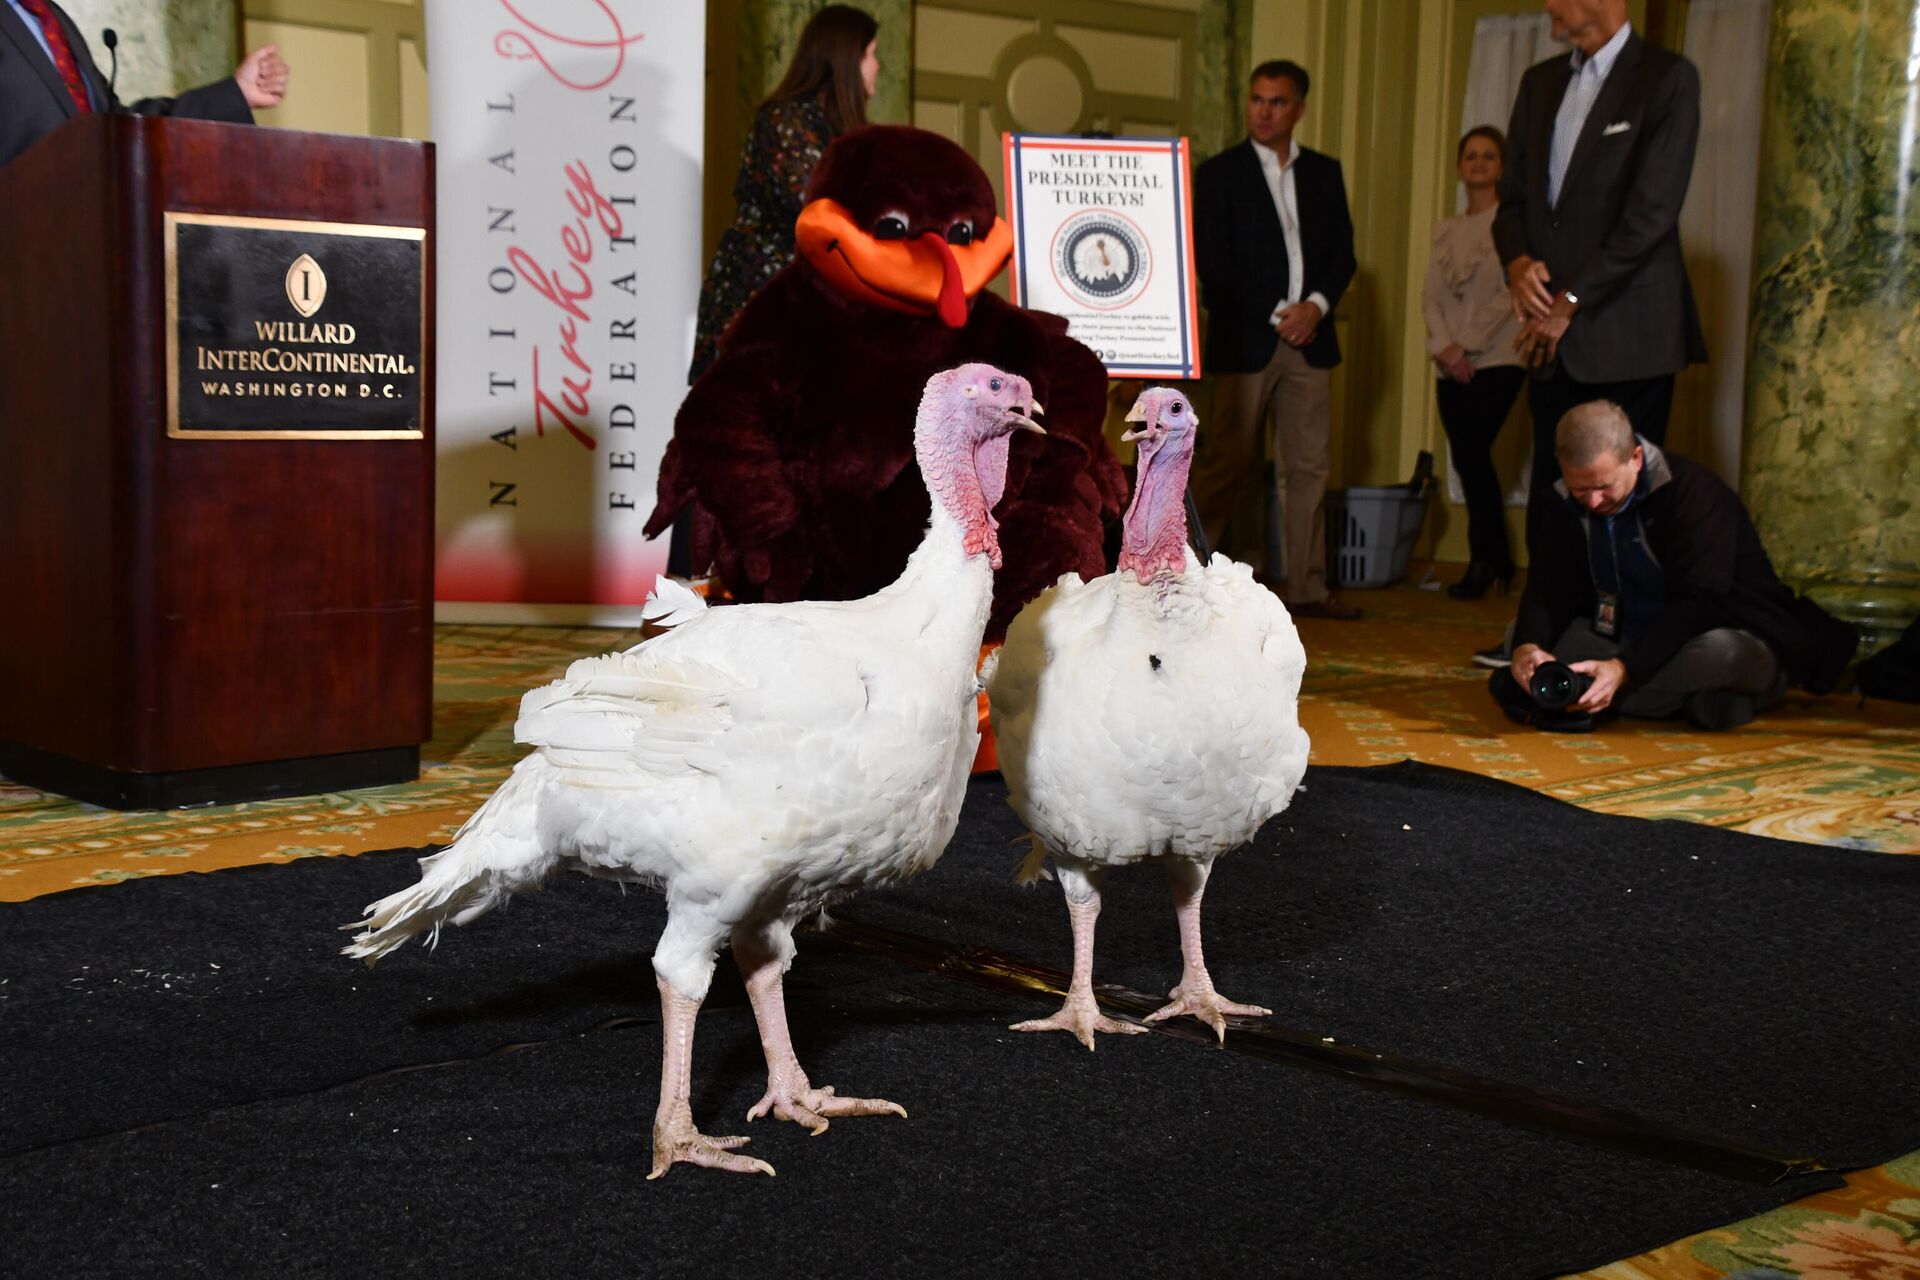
x: 1195, y: 994
x: 674, y: 1137
x: 1080, y: 1014
x: 789, y: 1095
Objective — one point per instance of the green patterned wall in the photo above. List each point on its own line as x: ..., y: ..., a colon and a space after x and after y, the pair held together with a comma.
x: 165, y: 45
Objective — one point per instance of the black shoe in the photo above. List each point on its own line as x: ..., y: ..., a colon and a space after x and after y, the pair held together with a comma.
x: 1717, y: 710
x: 1497, y: 658
x: 1564, y: 721
x: 1479, y: 576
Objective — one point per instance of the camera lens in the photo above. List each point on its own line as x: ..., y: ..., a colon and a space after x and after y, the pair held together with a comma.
x: 1556, y: 686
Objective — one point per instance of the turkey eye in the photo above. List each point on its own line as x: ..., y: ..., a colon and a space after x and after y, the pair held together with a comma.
x: 995, y: 384
x: 890, y: 228
x: 960, y: 233
x: 1177, y: 408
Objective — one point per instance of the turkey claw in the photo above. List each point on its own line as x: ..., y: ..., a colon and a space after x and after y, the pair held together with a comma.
x: 1209, y: 1006
x: 814, y: 1107
x: 686, y: 1145
x: 1083, y: 1018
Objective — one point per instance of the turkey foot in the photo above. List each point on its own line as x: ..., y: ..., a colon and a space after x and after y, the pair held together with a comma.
x: 1081, y: 1016
x: 1206, y: 1004
x: 789, y: 1096
x: 676, y: 1141
x: 814, y: 1107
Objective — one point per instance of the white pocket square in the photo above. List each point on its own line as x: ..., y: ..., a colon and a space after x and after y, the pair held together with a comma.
x: 1618, y: 126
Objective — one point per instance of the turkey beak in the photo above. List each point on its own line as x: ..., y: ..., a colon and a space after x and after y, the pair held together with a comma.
x: 1140, y: 432
x: 1025, y: 423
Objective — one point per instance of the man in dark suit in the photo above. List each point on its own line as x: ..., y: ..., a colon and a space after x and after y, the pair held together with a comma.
x: 1599, y: 152
x: 47, y: 77
x: 1273, y: 244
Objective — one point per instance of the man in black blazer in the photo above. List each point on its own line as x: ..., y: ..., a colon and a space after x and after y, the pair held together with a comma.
x: 1273, y: 245
x: 48, y: 76
x: 1599, y: 152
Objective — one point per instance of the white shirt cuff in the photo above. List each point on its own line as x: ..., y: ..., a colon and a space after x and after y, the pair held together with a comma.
x: 1316, y: 298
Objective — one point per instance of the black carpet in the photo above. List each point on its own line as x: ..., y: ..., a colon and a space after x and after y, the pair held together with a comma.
x: 177, y: 1053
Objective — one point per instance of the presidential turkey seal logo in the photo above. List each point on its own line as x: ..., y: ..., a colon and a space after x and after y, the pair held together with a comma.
x: 1100, y: 258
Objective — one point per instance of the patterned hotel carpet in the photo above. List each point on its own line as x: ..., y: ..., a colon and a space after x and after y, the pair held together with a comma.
x: 1391, y: 687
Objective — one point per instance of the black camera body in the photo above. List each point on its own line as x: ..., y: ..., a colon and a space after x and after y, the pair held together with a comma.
x: 1555, y: 686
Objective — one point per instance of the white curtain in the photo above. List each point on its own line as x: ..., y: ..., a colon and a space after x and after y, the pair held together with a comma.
x: 1504, y: 46
x: 1727, y: 41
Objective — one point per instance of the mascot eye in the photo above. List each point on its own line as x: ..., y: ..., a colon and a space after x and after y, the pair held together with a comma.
x: 890, y: 227
x: 995, y: 384
x: 960, y: 233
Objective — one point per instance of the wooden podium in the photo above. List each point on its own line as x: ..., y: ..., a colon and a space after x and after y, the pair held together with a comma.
x: 216, y: 462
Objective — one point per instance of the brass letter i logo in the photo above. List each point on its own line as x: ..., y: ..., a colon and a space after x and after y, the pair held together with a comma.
x: 306, y: 285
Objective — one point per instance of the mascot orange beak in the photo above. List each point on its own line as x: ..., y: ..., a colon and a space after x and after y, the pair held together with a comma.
x: 921, y: 277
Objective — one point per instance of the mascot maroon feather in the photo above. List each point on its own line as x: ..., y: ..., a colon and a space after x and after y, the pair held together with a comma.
x: 794, y: 451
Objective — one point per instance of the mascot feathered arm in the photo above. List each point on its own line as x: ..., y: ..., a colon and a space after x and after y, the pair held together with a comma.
x: 725, y: 457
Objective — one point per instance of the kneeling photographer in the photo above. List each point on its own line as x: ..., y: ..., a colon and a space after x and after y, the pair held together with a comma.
x: 1651, y: 596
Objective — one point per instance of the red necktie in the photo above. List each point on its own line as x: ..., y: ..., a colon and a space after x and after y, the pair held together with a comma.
x: 63, y: 58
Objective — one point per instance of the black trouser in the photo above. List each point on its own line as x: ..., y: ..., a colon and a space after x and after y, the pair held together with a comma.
x: 1645, y: 400
x: 1723, y: 658
x: 1473, y: 413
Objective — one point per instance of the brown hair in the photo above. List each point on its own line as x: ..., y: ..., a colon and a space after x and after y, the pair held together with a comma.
x: 1487, y: 131
x: 1276, y: 68
x: 826, y: 65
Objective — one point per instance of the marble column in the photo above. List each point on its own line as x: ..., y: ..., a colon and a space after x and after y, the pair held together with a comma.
x: 1833, y: 384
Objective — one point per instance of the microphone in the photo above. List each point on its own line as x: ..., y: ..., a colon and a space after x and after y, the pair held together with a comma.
x: 111, y: 39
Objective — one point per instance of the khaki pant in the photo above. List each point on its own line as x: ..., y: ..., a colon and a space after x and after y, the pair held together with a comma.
x: 1226, y: 468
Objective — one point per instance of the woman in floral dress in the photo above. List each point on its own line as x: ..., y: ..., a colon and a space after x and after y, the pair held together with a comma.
x: 823, y: 95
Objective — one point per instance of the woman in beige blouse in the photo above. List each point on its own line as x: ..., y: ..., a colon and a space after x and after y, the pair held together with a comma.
x: 1470, y: 333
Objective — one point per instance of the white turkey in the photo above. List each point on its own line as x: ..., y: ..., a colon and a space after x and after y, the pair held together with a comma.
x: 1149, y: 715
x: 754, y: 764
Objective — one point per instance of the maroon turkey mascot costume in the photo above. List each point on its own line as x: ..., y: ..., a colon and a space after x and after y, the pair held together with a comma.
x: 794, y: 451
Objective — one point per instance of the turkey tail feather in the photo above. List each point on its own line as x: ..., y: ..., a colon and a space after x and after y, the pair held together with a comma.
x: 495, y: 854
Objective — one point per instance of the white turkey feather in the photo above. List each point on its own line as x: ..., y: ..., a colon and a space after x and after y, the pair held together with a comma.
x: 1138, y: 720
x: 672, y: 603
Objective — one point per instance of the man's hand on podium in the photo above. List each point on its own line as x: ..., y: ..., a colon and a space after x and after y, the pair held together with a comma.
x: 262, y: 76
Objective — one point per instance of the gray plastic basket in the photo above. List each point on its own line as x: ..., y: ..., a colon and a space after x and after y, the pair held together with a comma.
x: 1371, y: 532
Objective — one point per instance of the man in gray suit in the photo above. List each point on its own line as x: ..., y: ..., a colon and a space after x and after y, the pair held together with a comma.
x: 1599, y: 152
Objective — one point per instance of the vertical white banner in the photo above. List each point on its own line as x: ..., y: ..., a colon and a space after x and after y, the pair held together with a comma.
x: 569, y: 137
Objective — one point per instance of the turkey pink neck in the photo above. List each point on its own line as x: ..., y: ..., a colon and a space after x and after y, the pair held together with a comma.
x: 964, y: 480
x: 1153, y: 540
